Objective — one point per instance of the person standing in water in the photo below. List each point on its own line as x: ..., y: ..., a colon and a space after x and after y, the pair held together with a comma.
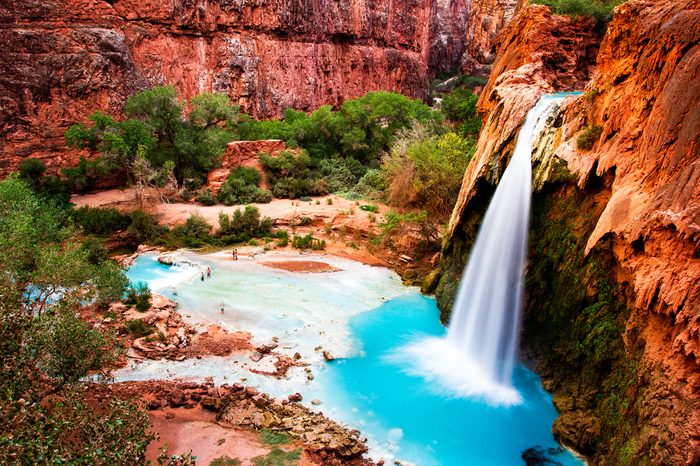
x: 208, y: 272
x: 202, y: 278
x: 222, y: 307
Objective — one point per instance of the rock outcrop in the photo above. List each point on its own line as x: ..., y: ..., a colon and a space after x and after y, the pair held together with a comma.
x: 243, y: 154
x: 63, y: 59
x: 613, y: 284
x: 486, y: 19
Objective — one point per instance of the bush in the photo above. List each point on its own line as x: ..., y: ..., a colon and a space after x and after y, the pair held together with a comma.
x: 600, y: 10
x: 144, y: 227
x: 205, y: 197
x: 304, y: 221
x: 370, y: 208
x: 241, y: 187
x: 100, y: 220
x: 96, y: 250
x: 243, y: 225
x: 372, y: 184
x: 425, y: 170
x: 308, y: 242
x: 339, y: 174
x: 138, y: 328
x: 32, y: 171
x: 588, y: 137
x: 139, y: 296
x: 248, y: 175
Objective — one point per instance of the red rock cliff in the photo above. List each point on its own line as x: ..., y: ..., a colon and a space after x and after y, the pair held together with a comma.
x: 638, y: 198
x: 62, y: 59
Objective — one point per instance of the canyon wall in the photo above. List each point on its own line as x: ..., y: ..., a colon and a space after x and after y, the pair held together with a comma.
x: 613, y: 282
x: 62, y: 59
x: 486, y: 19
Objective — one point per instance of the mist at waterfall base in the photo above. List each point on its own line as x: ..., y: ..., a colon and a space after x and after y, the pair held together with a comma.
x: 477, y: 356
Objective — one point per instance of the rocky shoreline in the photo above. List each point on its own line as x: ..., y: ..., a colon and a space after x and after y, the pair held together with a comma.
x: 237, y: 406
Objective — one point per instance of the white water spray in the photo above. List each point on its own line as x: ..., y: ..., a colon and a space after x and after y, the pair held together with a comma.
x: 477, y: 357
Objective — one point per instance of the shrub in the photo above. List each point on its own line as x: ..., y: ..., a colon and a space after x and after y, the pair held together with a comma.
x: 32, y: 171
x: 588, y: 137
x: 96, y: 250
x: 372, y: 184
x: 308, y: 242
x: 600, y: 10
x: 370, y: 208
x: 206, y: 197
x: 100, y: 220
x: 144, y: 227
x: 305, y: 221
x: 139, y: 296
x: 425, y: 170
x: 138, y: 328
x: 244, y: 224
x: 248, y: 175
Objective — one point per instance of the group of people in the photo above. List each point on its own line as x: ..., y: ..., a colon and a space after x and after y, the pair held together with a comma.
x: 208, y: 273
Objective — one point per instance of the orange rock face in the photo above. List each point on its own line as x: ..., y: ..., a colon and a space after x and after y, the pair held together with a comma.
x: 645, y: 98
x: 486, y: 19
x: 63, y: 59
x: 243, y: 154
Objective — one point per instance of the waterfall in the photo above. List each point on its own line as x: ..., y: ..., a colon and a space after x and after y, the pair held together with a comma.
x: 478, y: 355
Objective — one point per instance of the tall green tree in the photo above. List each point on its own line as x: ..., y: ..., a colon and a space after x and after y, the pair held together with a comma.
x: 46, y: 350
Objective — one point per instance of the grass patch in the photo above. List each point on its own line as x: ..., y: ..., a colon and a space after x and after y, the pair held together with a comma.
x: 278, y: 457
x: 225, y: 461
x: 270, y: 437
x: 588, y: 137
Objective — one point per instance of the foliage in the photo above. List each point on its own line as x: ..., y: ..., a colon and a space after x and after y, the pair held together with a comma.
x: 361, y: 129
x: 144, y: 228
x: 100, y: 220
x: 270, y: 437
x: 424, y: 170
x: 66, y: 348
x: 157, y: 127
x: 138, y: 328
x: 243, y: 225
x: 139, y: 296
x: 225, y: 461
x: 242, y: 187
x: 600, y: 10
x: 84, y: 176
x: 588, y: 137
x: 372, y: 184
x: 46, y: 350
x: 308, y: 242
x: 32, y: 171
x: 341, y: 174
x: 369, y: 208
x: 278, y: 457
x: 205, y: 197
x: 460, y: 105
x: 291, y: 176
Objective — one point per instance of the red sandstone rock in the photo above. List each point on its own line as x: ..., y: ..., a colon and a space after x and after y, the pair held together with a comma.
x: 243, y: 154
x: 645, y: 96
x: 486, y: 19
x: 63, y: 59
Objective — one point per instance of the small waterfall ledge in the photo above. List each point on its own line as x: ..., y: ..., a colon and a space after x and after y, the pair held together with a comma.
x: 477, y: 356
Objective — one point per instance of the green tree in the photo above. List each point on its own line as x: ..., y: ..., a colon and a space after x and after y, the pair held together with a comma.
x: 425, y: 170
x: 46, y: 350
x: 194, y: 144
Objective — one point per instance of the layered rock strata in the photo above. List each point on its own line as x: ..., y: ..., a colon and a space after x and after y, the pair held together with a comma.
x: 63, y: 59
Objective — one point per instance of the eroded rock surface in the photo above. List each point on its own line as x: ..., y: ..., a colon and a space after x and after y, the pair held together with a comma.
x: 625, y: 207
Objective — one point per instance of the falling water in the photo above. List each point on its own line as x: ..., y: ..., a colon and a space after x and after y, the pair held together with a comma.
x: 477, y: 356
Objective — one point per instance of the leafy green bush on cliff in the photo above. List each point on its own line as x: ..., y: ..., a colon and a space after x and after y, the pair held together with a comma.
x: 600, y: 10
x: 242, y: 187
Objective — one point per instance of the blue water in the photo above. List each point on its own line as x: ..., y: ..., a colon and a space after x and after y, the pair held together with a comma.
x: 435, y: 429
x: 403, y: 416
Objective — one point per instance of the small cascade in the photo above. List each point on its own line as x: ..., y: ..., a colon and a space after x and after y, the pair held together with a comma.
x: 477, y: 357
